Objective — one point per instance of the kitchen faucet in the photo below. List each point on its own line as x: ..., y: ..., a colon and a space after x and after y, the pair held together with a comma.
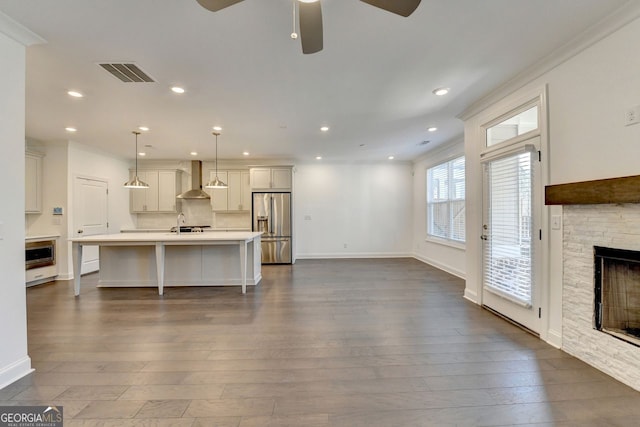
x: 181, y: 219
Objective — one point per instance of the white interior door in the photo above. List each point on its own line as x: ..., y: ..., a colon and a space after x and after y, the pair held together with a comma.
x: 90, y: 216
x: 511, y: 235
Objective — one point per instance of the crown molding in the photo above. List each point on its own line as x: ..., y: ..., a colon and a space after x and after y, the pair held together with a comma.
x: 608, y: 25
x: 454, y: 147
x: 18, y: 32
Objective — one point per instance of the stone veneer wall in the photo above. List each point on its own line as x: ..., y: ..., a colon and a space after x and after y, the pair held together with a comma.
x: 586, y: 226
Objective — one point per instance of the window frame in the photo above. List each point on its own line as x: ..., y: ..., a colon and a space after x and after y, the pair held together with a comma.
x: 451, y: 187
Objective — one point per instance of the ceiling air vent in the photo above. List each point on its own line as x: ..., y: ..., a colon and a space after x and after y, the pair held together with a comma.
x: 128, y: 73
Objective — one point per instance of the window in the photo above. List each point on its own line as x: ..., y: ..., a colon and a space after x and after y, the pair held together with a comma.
x: 445, y: 201
x: 516, y: 125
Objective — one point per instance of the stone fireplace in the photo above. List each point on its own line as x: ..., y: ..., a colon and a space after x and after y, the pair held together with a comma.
x: 615, y: 227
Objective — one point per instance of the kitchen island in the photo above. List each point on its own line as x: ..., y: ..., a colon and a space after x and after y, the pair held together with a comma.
x: 171, y: 259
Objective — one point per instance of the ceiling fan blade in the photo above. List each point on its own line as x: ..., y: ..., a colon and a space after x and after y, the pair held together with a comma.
x: 399, y: 7
x: 216, y: 5
x: 310, y: 16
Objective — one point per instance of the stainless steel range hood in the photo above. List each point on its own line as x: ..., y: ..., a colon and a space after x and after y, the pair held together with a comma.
x: 196, y: 191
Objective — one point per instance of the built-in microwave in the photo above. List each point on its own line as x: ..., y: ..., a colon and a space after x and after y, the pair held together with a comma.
x: 40, y: 254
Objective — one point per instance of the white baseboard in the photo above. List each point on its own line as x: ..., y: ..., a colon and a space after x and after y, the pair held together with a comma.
x: 13, y: 372
x: 355, y: 255
x: 471, y: 296
x: 90, y: 267
x: 441, y: 266
x: 554, y: 338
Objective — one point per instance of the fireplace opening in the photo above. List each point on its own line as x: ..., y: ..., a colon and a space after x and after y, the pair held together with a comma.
x: 617, y: 293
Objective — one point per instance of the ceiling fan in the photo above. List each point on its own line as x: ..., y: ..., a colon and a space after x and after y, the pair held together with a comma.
x: 310, y: 16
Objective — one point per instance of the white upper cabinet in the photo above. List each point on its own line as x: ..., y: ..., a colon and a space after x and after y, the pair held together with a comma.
x: 168, y: 188
x: 219, y: 195
x: 260, y: 178
x: 237, y: 197
x: 275, y: 178
x: 164, y: 186
x: 33, y: 182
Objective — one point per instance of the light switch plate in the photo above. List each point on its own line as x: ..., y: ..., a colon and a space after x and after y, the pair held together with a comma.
x: 556, y: 222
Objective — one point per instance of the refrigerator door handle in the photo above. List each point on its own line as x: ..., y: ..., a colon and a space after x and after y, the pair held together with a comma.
x: 273, y: 232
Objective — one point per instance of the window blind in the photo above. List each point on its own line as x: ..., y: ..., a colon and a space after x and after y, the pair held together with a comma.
x: 446, y: 200
x: 508, y: 249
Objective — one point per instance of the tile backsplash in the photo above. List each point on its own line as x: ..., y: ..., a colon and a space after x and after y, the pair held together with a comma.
x: 196, y: 212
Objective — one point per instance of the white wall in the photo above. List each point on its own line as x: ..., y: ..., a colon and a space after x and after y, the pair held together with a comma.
x: 14, y: 361
x: 587, y: 98
x: 366, y: 207
x: 450, y: 258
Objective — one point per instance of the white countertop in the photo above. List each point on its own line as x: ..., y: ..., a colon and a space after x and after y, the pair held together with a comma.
x: 167, y: 237
x: 164, y: 230
x: 42, y: 237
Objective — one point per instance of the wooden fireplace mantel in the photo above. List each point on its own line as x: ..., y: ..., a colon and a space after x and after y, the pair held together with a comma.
x: 600, y: 191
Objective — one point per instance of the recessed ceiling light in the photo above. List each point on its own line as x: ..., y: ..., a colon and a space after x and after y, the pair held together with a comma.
x: 432, y: 129
x: 177, y: 89
x: 245, y: 153
x: 75, y: 94
x: 194, y: 153
x: 143, y: 128
x: 217, y: 128
x: 70, y: 129
x: 391, y: 157
x: 441, y: 91
x: 318, y: 157
x: 142, y: 154
x: 324, y: 128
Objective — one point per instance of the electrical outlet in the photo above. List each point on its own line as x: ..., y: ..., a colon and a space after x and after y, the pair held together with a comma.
x: 345, y: 246
x: 632, y: 116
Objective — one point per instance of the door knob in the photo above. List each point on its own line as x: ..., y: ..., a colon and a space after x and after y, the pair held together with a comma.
x: 80, y: 231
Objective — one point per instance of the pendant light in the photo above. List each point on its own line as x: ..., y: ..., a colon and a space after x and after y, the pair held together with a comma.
x: 135, y: 182
x: 216, y: 183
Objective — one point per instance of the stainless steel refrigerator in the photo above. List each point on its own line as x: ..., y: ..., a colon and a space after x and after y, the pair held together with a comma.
x: 272, y: 215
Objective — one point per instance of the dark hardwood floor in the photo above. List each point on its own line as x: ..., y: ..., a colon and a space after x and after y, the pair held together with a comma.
x: 380, y: 342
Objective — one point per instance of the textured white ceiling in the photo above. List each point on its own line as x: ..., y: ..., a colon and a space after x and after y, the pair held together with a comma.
x: 371, y: 84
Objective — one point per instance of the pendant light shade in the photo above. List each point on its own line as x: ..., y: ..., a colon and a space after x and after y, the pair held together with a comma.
x: 216, y: 183
x: 136, y: 182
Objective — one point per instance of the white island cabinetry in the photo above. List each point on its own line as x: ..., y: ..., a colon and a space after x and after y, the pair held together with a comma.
x: 170, y: 259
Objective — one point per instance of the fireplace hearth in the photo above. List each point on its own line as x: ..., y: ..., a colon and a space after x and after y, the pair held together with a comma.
x: 617, y: 293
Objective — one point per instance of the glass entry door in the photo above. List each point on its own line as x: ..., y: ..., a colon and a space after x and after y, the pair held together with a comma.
x: 511, y: 235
